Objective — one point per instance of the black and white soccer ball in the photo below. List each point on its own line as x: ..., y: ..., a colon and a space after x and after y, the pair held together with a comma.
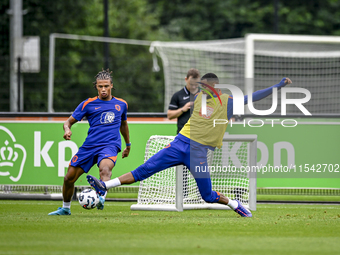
x: 88, y: 199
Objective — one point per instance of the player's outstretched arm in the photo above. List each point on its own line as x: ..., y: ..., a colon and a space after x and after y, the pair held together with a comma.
x: 67, y: 127
x: 124, y: 130
x: 260, y: 94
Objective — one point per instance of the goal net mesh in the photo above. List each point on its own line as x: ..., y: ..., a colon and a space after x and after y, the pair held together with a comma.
x: 224, y: 165
x: 313, y: 66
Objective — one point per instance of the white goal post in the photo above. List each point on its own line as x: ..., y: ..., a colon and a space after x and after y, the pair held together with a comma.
x: 51, y: 58
x: 313, y: 48
x: 232, y: 170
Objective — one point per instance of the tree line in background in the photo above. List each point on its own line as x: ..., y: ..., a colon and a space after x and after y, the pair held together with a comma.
x: 77, y: 62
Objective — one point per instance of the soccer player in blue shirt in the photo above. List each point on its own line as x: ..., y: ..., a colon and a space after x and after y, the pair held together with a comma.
x: 107, y: 115
x: 190, y: 146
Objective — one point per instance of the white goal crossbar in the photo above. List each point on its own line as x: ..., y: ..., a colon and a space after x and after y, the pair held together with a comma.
x: 179, y: 202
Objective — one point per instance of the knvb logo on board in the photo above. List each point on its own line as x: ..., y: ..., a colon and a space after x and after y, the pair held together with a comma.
x: 12, y: 155
x: 238, y: 103
x: 16, y: 158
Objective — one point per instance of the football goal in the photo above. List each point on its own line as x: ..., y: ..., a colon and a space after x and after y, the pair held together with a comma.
x: 232, y: 172
x: 259, y: 61
x: 254, y: 62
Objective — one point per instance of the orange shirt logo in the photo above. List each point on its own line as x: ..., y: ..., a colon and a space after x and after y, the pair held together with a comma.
x: 75, y: 158
x: 210, y: 111
x: 117, y: 107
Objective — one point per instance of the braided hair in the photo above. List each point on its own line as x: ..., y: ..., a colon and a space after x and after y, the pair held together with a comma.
x: 103, y: 75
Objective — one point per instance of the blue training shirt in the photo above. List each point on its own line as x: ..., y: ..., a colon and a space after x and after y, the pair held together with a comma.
x: 104, y: 118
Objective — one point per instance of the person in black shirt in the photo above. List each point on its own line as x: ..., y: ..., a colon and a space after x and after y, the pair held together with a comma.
x: 180, y: 104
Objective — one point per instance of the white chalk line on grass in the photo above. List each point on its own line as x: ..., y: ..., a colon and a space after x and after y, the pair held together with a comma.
x: 309, y: 207
x: 75, y: 203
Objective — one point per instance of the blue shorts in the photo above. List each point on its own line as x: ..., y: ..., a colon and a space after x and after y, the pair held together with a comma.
x: 182, y: 151
x: 85, y: 158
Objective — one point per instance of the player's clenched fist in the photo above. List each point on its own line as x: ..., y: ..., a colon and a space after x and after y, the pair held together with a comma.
x: 126, y: 152
x: 288, y: 81
x: 67, y: 135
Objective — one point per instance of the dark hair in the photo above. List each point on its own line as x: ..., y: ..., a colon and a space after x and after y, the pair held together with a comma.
x: 194, y: 73
x: 103, y: 75
x: 210, y: 77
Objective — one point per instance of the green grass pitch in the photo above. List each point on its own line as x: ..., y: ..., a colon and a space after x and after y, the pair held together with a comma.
x: 274, y: 229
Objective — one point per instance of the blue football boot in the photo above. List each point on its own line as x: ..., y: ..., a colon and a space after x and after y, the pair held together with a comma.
x: 61, y: 211
x: 100, y: 205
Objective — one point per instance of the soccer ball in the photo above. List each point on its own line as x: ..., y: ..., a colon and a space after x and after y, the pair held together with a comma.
x: 88, y: 199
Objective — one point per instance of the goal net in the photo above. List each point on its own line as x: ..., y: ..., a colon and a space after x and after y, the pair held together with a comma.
x: 311, y: 62
x: 175, y: 189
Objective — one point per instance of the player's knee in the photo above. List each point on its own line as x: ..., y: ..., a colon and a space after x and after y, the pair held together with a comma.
x: 68, y: 179
x: 105, y: 171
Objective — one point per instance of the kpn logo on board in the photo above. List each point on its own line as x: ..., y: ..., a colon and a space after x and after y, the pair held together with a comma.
x: 12, y: 155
